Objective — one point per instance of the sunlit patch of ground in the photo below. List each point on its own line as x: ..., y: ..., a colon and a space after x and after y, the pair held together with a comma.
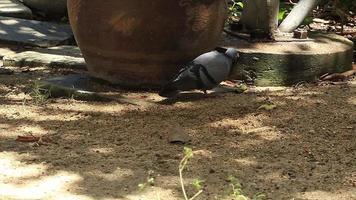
x: 302, y: 148
x: 20, y: 180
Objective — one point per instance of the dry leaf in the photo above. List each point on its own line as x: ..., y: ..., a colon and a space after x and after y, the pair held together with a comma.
x: 29, y: 139
x: 267, y: 107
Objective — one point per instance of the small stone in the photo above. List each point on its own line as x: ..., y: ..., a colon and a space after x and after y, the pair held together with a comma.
x: 300, y: 34
x: 178, y: 135
x: 304, y: 189
x: 76, y: 86
x: 318, y: 20
x: 256, y: 59
x: 4, y: 71
x: 34, y: 33
x: 57, y: 7
x: 14, y: 8
x: 54, y: 57
x: 211, y: 171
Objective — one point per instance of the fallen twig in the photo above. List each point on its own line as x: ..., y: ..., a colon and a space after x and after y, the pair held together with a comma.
x: 33, y: 139
x: 27, y: 139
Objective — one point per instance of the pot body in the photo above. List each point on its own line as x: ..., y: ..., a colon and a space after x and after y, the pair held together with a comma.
x: 140, y: 43
x: 50, y: 7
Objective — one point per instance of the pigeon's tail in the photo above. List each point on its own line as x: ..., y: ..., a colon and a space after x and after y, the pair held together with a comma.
x: 169, y: 91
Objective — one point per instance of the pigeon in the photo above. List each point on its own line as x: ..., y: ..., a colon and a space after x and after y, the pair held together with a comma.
x: 204, y: 73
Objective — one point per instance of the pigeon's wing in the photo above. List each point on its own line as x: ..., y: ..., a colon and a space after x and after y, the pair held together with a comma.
x: 217, y: 65
x: 200, y: 73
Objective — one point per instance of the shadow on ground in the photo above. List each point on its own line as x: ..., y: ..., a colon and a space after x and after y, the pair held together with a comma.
x: 303, y: 149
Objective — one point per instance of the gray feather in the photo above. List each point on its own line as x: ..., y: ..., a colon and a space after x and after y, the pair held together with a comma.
x: 205, y: 72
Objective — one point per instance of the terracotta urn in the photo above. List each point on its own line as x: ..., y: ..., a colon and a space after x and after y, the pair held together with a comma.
x: 138, y: 43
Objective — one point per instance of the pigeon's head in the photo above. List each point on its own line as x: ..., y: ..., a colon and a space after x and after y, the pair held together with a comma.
x: 233, y: 54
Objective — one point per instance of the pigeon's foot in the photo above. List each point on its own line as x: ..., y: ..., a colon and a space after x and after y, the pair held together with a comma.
x: 169, y: 94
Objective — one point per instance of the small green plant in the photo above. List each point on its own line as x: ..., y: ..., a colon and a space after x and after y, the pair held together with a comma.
x: 39, y: 94
x: 237, y: 192
x: 188, y: 154
x: 259, y: 196
x: 267, y: 106
x: 150, y: 181
x: 197, y: 184
x: 284, y: 10
x: 235, y: 8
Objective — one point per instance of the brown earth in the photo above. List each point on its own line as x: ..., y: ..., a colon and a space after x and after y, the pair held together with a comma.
x: 305, y: 148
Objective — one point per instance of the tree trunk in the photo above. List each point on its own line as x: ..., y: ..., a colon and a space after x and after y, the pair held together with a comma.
x: 260, y: 17
x: 297, y: 15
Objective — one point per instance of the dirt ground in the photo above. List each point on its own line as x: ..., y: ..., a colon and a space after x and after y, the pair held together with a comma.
x: 305, y: 148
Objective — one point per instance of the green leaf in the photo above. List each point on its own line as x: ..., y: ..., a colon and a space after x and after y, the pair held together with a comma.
x: 281, y: 15
x: 241, y: 197
x: 142, y: 186
x: 308, y: 21
x: 241, y: 88
x: 260, y: 196
x: 267, y: 107
x: 188, y: 152
x: 151, y: 181
x: 240, y: 4
x: 197, y: 184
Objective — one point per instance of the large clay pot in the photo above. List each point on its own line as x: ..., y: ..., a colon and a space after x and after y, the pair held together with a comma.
x: 50, y: 7
x: 140, y: 43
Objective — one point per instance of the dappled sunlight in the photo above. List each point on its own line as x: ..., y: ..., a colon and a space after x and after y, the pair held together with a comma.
x: 12, y: 169
x: 27, y: 30
x: 109, y: 108
x: 204, y: 154
x: 246, y: 162
x: 328, y: 195
x: 275, y: 177
x: 10, y: 22
x: 22, y: 97
x: 154, y: 193
x: 117, y: 175
x: 19, y: 180
x: 34, y: 129
x: 56, y: 186
x: 287, y: 92
x: 230, y: 124
x: 269, y: 89
x: 4, y: 126
x: 104, y: 150
x: 249, y: 125
x: 352, y: 100
x: 35, y: 114
x: 266, y: 133
x: 14, y: 130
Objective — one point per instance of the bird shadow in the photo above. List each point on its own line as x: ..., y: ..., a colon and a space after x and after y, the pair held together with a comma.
x: 187, y: 97
x: 193, y: 97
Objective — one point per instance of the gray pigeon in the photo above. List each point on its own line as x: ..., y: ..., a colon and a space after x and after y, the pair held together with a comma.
x: 205, y: 72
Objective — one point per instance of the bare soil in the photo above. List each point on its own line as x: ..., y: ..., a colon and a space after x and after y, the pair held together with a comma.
x: 305, y: 148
